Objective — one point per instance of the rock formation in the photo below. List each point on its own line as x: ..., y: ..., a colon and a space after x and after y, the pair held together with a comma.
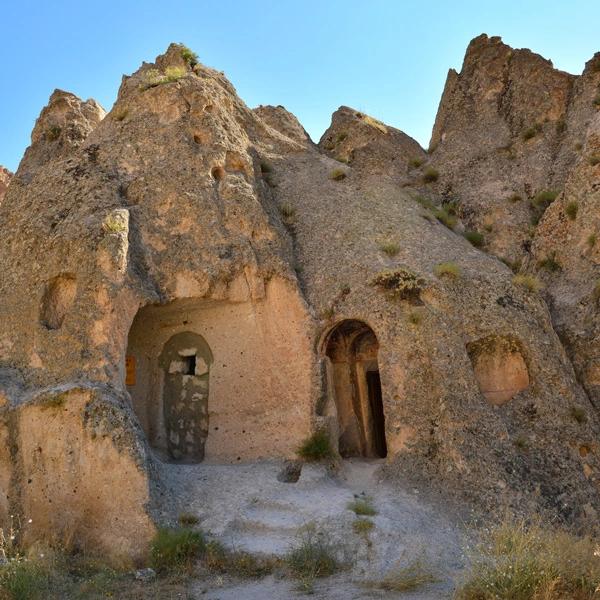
x: 187, y: 279
x: 5, y: 177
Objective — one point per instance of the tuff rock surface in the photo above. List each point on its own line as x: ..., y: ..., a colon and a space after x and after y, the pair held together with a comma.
x: 183, y: 210
x: 5, y: 177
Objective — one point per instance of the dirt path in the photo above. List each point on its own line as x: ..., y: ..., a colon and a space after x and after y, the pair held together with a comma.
x: 247, y: 508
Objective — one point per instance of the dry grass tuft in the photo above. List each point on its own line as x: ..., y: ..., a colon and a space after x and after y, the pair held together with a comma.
x: 338, y: 174
x: 389, y: 247
x: 447, y: 269
x: 529, y: 282
x: 362, y: 506
x: 407, y: 578
x: 520, y: 562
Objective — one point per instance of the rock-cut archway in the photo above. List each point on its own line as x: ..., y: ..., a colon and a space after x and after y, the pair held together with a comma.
x: 353, y: 380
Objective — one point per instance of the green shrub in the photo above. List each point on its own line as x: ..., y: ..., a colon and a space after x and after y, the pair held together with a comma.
x: 389, y: 247
x: 265, y: 167
x: 531, y: 132
x: 22, y: 579
x: 175, y: 549
x: 313, y: 555
x: 591, y: 240
x: 445, y: 218
x: 415, y: 163
x: 120, y: 114
x: 188, y: 520
x: 316, y: 447
x: 447, y: 269
x: 550, y: 263
x: 402, y: 284
x: 578, y: 414
x: 338, y: 174
x: 190, y: 57
x: 544, y: 198
x: 415, y: 318
x: 362, y: 526
x: 529, y: 282
x: 53, y: 133
x: 475, y: 238
x: 363, y: 506
x: 425, y: 202
x: 288, y: 213
x: 430, y: 175
x: 520, y: 562
x: 174, y: 74
x: 571, y: 210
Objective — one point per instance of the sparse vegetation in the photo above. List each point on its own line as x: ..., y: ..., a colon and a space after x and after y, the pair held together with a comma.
x: 53, y: 133
x: 591, y: 240
x: 23, y: 579
x: 571, y: 210
x: 120, y: 114
x: 288, y: 213
x: 362, y: 526
x: 389, y: 247
x: 338, y: 174
x: 153, y: 77
x: 400, y: 283
x: 550, y: 263
x: 521, y: 442
x: 362, y: 506
x: 578, y: 414
x: 596, y: 291
x: 407, y: 578
x: 596, y: 100
x: 544, y: 198
x: 316, y: 447
x: 475, y: 237
x: 55, y: 401
x: 190, y: 57
x: 415, y: 318
x: 515, y: 198
x: 415, y: 162
x: 188, y: 519
x: 314, y: 555
x: 430, y: 175
x: 531, y: 132
x: 176, y: 549
x: 520, y: 562
x: 529, y: 282
x: 445, y: 218
x: 218, y: 559
x: 113, y: 224
x: 341, y: 136
x: 372, y: 122
x: 447, y: 269
x: 594, y: 159
x: 425, y: 202
x: 265, y: 167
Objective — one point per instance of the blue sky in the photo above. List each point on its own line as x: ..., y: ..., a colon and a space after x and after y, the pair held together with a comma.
x: 384, y: 57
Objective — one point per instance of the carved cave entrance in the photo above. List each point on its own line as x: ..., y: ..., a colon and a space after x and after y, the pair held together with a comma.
x: 353, y: 381
x: 169, y: 386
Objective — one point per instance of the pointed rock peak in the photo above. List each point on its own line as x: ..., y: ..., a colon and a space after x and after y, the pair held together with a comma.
x: 63, y: 125
x: 283, y: 121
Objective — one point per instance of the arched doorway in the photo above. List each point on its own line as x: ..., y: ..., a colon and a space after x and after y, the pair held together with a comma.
x: 185, y: 362
x: 168, y: 381
x: 353, y: 377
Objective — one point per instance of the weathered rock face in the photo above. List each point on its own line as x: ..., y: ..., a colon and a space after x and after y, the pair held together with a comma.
x: 186, y: 279
x: 5, y: 177
x: 509, y: 126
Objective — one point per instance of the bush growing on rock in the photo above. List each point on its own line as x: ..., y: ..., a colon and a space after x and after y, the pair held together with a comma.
x: 430, y: 175
x: 447, y: 269
x: 529, y: 282
x: 316, y: 447
x: 400, y: 283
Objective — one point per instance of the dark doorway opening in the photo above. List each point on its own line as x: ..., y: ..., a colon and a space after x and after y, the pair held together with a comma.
x: 376, y: 405
x: 351, y: 352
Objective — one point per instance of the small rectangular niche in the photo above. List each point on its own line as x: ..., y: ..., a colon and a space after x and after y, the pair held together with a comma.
x: 189, y: 365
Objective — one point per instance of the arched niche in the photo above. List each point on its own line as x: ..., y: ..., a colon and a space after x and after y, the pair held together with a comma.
x: 354, y: 385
